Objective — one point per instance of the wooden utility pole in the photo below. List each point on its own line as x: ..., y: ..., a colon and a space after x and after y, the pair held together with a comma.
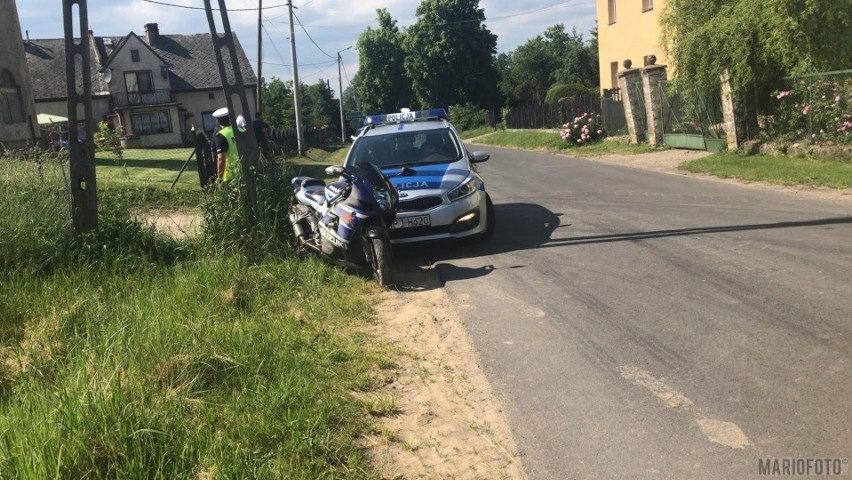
x: 81, y: 145
x: 297, y: 104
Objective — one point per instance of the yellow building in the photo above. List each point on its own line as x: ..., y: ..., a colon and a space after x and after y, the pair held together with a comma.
x: 628, y: 29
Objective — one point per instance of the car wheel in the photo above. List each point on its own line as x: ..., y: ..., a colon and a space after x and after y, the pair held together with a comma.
x: 490, y: 221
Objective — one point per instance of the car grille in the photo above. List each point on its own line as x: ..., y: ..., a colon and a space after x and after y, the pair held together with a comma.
x: 423, y: 203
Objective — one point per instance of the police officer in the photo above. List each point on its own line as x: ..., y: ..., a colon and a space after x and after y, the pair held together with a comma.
x: 227, y: 158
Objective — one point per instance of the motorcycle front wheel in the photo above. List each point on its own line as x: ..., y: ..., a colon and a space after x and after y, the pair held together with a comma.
x: 380, y: 259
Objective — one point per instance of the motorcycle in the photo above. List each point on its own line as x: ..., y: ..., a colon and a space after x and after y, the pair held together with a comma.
x: 347, y: 221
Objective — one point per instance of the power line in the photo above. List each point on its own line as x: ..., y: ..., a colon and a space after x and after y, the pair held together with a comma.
x: 487, y: 19
x: 312, y: 39
x: 190, y: 7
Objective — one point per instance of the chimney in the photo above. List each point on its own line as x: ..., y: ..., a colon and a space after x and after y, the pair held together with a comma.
x: 152, y: 32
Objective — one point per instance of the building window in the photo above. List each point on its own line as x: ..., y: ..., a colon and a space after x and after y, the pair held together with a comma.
x: 647, y: 5
x: 611, y: 9
x: 139, y: 82
x: 134, y: 55
x: 147, y: 123
x: 211, y: 96
x: 11, y: 100
x: 613, y: 74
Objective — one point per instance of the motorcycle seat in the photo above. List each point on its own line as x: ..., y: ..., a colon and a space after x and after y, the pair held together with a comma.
x: 306, y: 182
x: 315, y: 194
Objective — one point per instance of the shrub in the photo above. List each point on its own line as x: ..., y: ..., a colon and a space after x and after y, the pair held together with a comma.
x: 583, y: 130
x: 818, y: 111
x: 229, y: 223
x: 560, y: 91
x: 468, y: 116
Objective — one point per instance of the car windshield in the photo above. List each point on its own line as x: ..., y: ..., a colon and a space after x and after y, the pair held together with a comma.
x: 406, y: 148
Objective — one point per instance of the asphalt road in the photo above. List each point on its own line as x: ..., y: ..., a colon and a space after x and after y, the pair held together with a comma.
x: 645, y: 325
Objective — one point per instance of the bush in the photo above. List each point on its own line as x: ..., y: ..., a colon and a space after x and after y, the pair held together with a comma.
x: 818, y: 111
x: 561, y: 91
x: 583, y: 130
x: 229, y: 223
x: 468, y: 117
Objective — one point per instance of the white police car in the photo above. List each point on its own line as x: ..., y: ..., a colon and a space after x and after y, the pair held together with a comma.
x: 441, y: 196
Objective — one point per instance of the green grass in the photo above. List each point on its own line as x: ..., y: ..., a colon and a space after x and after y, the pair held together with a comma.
x: 778, y: 170
x: 549, y: 141
x: 476, y: 132
x: 145, y: 176
x: 131, y: 355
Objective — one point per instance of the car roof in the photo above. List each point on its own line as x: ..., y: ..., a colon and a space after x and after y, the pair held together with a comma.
x: 418, y: 126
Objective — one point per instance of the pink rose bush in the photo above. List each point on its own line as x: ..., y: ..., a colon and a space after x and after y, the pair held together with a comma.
x: 583, y: 130
x: 815, y: 109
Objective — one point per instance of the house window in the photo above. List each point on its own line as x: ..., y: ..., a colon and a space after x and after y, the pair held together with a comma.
x: 147, y: 123
x: 211, y: 96
x: 139, y: 82
x: 613, y: 73
x: 134, y: 55
x: 647, y: 5
x: 611, y: 9
x: 11, y: 100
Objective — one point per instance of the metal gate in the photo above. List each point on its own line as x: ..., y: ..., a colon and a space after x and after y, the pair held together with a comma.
x: 612, y: 112
x: 694, y: 123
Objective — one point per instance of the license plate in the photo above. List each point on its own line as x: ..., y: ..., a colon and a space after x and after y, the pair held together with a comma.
x: 411, y: 222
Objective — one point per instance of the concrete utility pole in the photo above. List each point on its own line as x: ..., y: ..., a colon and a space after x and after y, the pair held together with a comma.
x: 246, y: 143
x: 297, y: 105
x: 259, y: 55
x: 340, y: 84
x: 81, y: 144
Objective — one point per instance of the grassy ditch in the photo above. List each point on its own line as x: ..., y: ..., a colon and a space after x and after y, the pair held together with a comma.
x: 772, y: 169
x: 129, y: 354
x: 550, y: 141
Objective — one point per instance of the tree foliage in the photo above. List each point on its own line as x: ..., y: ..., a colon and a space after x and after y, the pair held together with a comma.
x: 319, y: 107
x: 555, y: 57
x: 382, y: 85
x: 758, y: 42
x: 450, y: 55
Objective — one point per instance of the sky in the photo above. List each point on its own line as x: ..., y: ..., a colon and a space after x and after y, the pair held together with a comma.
x: 329, y: 26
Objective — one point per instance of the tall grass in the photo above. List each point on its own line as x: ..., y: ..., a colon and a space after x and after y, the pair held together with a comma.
x: 130, y: 355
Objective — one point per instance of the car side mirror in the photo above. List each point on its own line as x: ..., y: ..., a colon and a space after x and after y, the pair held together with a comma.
x: 480, y: 156
x: 335, y: 171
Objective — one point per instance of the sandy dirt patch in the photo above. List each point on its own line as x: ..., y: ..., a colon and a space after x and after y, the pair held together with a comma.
x: 177, y: 224
x: 448, y: 424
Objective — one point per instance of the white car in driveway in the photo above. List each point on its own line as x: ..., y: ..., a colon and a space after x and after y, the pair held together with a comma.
x: 441, y: 196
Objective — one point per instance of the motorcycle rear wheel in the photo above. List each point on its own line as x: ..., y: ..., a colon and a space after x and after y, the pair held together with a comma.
x: 380, y: 260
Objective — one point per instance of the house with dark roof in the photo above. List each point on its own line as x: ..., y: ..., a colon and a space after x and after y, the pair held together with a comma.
x: 157, y: 88
x: 17, y: 112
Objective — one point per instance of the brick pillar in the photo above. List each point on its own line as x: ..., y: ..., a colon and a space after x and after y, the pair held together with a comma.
x: 731, y: 114
x: 626, y: 80
x: 652, y: 78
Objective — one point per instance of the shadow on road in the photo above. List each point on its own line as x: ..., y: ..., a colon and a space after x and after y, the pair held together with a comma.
x: 527, y: 226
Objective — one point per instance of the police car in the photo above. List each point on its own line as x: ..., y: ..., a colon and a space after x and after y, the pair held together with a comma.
x: 441, y: 196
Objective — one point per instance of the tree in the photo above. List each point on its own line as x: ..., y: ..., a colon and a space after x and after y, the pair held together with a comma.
x: 757, y: 42
x: 278, y: 102
x: 382, y: 85
x: 450, y: 55
x: 556, y: 57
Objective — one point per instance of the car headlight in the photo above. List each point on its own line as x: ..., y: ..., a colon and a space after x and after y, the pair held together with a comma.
x: 467, y: 188
x: 383, y: 198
